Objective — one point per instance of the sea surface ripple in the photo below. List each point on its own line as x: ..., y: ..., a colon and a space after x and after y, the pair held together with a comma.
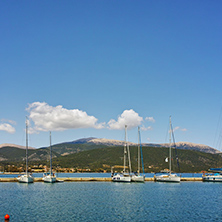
x: 108, y: 201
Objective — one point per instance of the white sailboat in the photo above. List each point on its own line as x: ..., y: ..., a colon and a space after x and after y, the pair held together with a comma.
x: 26, y: 178
x: 168, y: 176
x: 137, y: 177
x: 49, y: 177
x: 124, y: 176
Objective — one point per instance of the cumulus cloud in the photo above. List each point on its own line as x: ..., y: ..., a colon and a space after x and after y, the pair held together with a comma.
x: 180, y: 129
x: 49, y: 118
x: 128, y: 117
x: 7, y: 127
x: 150, y: 119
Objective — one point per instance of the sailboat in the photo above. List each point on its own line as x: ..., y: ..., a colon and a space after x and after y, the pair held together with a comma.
x: 26, y: 178
x: 168, y: 176
x: 124, y: 176
x: 137, y: 177
x: 49, y: 177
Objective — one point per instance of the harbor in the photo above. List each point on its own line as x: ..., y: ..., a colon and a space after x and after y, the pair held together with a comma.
x: 92, y: 179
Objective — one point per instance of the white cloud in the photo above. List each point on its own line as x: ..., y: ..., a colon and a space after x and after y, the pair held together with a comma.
x: 179, y: 128
x: 12, y: 122
x: 176, y: 128
x: 49, y: 118
x: 143, y: 128
x: 7, y: 127
x: 150, y: 119
x: 128, y: 117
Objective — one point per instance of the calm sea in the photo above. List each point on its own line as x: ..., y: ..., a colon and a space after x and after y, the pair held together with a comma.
x: 38, y: 175
x: 108, y: 201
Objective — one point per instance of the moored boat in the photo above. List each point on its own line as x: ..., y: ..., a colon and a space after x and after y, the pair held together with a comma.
x: 49, y: 177
x: 121, y: 177
x: 26, y: 178
x: 212, y: 177
x: 137, y: 177
x: 168, y: 176
x: 124, y: 176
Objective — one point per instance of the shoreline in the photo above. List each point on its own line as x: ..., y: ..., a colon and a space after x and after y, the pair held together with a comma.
x: 97, y: 179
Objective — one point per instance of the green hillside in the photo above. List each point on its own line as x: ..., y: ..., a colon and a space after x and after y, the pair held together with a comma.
x: 69, y: 148
x: 104, y: 158
x: 13, y: 154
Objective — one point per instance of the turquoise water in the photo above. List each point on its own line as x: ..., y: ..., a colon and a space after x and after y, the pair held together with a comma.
x: 95, y: 175
x: 107, y: 201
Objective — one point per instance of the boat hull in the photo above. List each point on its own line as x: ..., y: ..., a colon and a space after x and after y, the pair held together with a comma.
x: 212, y: 178
x: 121, y: 178
x: 138, y: 178
x: 172, y: 178
x: 49, y: 179
x: 25, y: 179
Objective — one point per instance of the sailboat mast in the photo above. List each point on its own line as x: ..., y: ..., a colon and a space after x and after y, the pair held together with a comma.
x: 124, y: 158
x: 128, y: 151
x: 170, y: 145
x: 50, y: 154
x: 138, y: 170
x: 26, y: 145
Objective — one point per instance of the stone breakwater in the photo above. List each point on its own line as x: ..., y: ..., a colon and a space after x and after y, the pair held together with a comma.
x: 91, y: 179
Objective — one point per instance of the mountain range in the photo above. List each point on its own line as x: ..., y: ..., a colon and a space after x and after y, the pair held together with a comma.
x: 97, y: 154
x: 109, y: 142
x: 178, y: 145
x: 14, y: 145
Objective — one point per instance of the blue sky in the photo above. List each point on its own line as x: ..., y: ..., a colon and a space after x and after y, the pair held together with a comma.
x: 86, y: 68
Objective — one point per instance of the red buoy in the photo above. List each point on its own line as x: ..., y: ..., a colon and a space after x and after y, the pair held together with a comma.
x: 7, y: 217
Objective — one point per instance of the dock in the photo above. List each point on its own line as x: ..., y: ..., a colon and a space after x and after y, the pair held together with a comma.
x: 96, y: 179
